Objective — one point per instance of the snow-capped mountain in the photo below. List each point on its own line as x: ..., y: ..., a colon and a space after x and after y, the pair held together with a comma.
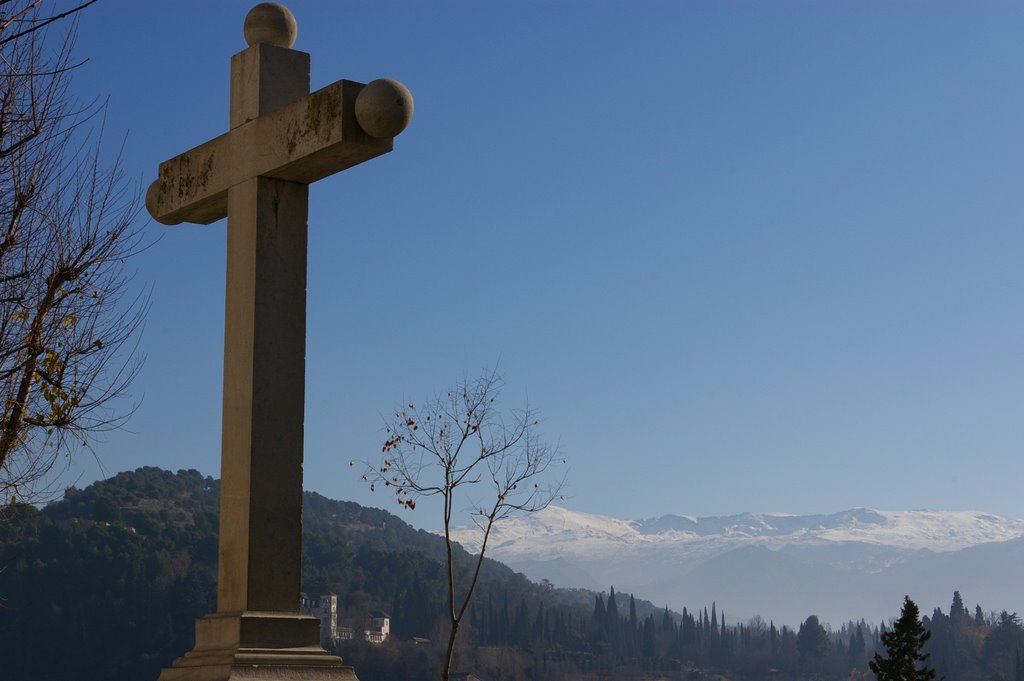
x: 847, y: 565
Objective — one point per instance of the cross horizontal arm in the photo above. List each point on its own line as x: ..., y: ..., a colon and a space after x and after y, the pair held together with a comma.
x: 305, y: 141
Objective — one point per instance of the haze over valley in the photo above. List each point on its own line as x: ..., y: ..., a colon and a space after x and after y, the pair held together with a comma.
x: 848, y: 565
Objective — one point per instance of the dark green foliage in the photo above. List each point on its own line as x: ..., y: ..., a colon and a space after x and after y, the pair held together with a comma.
x: 127, y: 561
x: 812, y: 640
x: 857, y: 647
x: 403, y: 660
x: 1004, y: 641
x: 116, y: 574
x: 905, y: 659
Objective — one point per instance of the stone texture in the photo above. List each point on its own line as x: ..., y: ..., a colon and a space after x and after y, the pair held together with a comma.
x: 303, y: 142
x: 264, y: 368
x: 258, y: 645
x: 271, y: 23
x: 384, y: 108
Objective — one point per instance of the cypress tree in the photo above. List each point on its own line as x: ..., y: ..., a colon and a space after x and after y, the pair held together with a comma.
x: 506, y: 622
x: 857, y: 646
x: 597, y: 619
x: 957, y: 609
x: 905, y: 659
x: 687, y: 629
x: 666, y: 620
x: 521, y: 625
x: 612, y: 618
x: 632, y: 635
x: 647, y: 644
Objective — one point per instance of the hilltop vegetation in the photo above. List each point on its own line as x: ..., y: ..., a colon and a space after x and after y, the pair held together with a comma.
x: 114, y: 575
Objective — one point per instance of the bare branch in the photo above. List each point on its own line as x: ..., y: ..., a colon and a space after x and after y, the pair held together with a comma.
x: 37, y: 24
x: 69, y: 319
x: 460, y: 441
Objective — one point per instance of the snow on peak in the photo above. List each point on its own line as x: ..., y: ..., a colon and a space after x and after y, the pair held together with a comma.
x: 558, y: 531
x: 934, y: 530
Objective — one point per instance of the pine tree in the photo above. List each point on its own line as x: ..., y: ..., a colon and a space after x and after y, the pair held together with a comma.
x: 905, y: 659
x: 812, y: 642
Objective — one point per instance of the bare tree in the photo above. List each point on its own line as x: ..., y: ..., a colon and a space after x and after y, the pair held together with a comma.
x: 461, y: 442
x: 67, y: 320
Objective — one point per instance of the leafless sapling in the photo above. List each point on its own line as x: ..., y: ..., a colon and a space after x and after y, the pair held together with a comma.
x: 461, y: 448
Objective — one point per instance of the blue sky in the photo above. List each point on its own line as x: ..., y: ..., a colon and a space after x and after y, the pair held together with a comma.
x: 741, y: 255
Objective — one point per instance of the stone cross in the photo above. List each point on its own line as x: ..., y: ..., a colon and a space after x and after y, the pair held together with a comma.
x: 282, y: 138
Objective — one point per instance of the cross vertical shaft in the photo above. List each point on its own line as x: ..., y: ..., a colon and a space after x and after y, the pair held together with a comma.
x: 264, y: 358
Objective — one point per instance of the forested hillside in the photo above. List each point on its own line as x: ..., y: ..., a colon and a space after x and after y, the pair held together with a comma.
x: 108, y: 582
x: 114, y: 575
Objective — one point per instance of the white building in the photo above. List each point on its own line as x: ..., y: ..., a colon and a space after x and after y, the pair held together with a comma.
x: 379, y: 629
x: 324, y: 608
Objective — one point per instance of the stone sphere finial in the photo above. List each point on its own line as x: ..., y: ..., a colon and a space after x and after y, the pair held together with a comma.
x: 151, y: 199
x: 384, y: 108
x: 271, y: 23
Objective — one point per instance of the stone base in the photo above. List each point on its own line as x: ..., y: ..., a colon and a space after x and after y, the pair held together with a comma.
x: 259, y: 646
x: 265, y: 672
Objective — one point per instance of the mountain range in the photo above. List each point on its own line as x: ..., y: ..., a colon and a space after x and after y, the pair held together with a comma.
x: 842, y: 566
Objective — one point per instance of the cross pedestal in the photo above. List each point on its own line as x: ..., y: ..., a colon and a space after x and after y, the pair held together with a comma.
x: 282, y: 138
